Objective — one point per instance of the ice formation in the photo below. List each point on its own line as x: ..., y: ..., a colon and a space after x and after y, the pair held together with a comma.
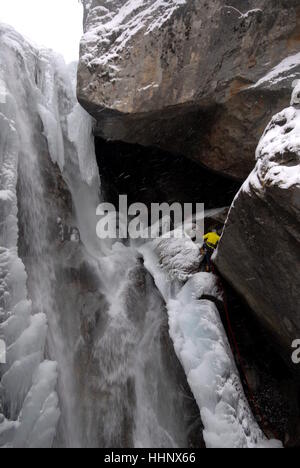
x: 203, y: 349
x: 107, y: 337
x: 27, y: 380
x: 36, y: 92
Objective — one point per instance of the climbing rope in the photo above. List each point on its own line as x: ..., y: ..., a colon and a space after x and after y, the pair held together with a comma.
x: 240, y: 361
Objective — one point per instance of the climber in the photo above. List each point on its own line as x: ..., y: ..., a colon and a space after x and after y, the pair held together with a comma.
x: 211, y: 241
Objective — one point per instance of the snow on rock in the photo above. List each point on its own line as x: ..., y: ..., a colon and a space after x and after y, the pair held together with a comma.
x: 287, y: 69
x: 148, y: 68
x: 295, y: 100
x: 203, y: 349
x: 119, y: 22
x: 260, y: 245
x: 278, y: 152
x: 180, y: 258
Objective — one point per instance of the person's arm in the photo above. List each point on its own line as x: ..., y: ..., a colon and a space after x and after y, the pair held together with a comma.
x: 205, y: 237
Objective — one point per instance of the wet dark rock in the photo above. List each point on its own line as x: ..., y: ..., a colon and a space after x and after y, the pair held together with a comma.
x: 272, y: 388
x: 149, y: 175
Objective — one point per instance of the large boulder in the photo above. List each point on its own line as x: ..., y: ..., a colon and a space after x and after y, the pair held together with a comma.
x: 192, y: 77
x: 259, y: 251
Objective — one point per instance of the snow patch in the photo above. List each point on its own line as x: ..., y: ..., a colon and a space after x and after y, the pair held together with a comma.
x: 280, y: 72
x: 278, y: 154
x: 107, y: 38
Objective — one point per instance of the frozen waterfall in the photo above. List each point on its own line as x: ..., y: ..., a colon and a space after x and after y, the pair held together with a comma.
x: 202, y: 346
x: 89, y: 360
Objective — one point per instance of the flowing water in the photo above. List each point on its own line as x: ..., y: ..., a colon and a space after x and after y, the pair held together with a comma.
x: 119, y: 383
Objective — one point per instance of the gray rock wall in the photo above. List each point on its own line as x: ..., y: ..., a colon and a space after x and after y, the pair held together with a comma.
x: 180, y: 76
x: 259, y: 252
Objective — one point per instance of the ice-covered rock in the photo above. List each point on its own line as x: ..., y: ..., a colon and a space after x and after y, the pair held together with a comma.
x: 23, y: 332
x: 180, y: 258
x: 189, y: 76
x: 259, y: 250
x: 46, y: 156
x: 203, y: 349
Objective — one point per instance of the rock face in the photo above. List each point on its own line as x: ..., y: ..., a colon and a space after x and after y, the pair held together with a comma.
x: 191, y: 77
x: 259, y: 251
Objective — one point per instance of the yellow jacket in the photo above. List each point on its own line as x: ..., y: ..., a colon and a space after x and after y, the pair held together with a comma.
x: 212, y: 239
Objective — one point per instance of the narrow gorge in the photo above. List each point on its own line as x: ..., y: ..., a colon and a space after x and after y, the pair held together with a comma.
x: 130, y: 343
